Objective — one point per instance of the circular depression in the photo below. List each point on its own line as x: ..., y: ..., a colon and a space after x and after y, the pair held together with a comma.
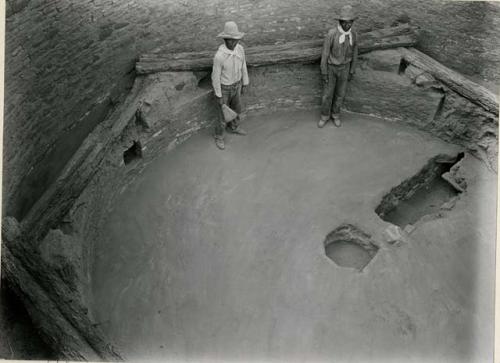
x: 219, y: 254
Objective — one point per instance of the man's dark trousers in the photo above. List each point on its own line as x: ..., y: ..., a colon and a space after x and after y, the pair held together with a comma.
x: 231, y: 96
x: 334, y: 92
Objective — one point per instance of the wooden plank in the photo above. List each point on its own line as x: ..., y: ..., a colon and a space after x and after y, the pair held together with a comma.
x: 454, y: 80
x: 308, y: 51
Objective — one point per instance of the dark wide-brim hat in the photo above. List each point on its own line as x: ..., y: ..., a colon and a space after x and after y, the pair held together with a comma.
x: 231, y: 31
x: 347, y: 13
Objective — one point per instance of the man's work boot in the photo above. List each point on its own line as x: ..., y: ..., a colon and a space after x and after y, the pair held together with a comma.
x: 322, y: 122
x: 336, y: 120
x: 238, y: 131
x: 220, y: 143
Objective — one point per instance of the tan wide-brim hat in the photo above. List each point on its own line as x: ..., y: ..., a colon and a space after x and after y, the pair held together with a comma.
x: 347, y: 13
x: 231, y: 31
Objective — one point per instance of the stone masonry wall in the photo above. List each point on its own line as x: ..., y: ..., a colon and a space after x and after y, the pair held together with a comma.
x: 69, y: 62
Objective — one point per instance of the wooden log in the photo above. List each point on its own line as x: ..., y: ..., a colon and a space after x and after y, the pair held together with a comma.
x: 404, y: 29
x: 454, y: 80
x: 55, y: 330
x: 55, y: 308
x: 58, y: 199
x: 308, y: 51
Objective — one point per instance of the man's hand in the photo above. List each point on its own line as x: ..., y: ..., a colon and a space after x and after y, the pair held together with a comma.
x: 351, y: 76
x: 220, y: 101
x: 244, y: 89
x: 325, y: 79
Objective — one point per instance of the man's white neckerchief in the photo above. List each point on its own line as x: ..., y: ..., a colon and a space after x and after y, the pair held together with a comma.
x: 343, y: 35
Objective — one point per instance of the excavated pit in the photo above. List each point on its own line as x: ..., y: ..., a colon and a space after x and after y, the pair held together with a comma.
x: 186, y: 247
x: 348, y: 246
x: 423, y: 194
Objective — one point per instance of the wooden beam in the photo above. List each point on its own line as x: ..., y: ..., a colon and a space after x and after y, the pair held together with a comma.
x: 55, y: 330
x: 307, y: 51
x: 58, y: 199
x: 454, y: 80
x: 54, y: 308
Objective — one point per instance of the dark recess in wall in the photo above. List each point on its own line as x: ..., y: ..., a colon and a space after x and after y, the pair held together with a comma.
x: 133, y: 153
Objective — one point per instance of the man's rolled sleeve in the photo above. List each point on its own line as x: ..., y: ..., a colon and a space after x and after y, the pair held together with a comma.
x: 216, y: 73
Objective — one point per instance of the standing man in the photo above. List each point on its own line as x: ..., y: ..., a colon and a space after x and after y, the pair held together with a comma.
x: 338, y: 64
x: 229, y: 79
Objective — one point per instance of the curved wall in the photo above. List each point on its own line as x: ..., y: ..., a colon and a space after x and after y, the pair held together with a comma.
x: 68, y: 62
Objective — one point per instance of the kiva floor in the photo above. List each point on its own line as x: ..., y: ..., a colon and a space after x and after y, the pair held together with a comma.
x: 219, y: 255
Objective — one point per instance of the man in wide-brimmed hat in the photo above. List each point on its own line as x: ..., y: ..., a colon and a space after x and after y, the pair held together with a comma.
x: 338, y: 64
x: 229, y: 79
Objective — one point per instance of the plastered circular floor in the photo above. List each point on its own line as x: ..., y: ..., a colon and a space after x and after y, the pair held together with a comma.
x: 218, y: 255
